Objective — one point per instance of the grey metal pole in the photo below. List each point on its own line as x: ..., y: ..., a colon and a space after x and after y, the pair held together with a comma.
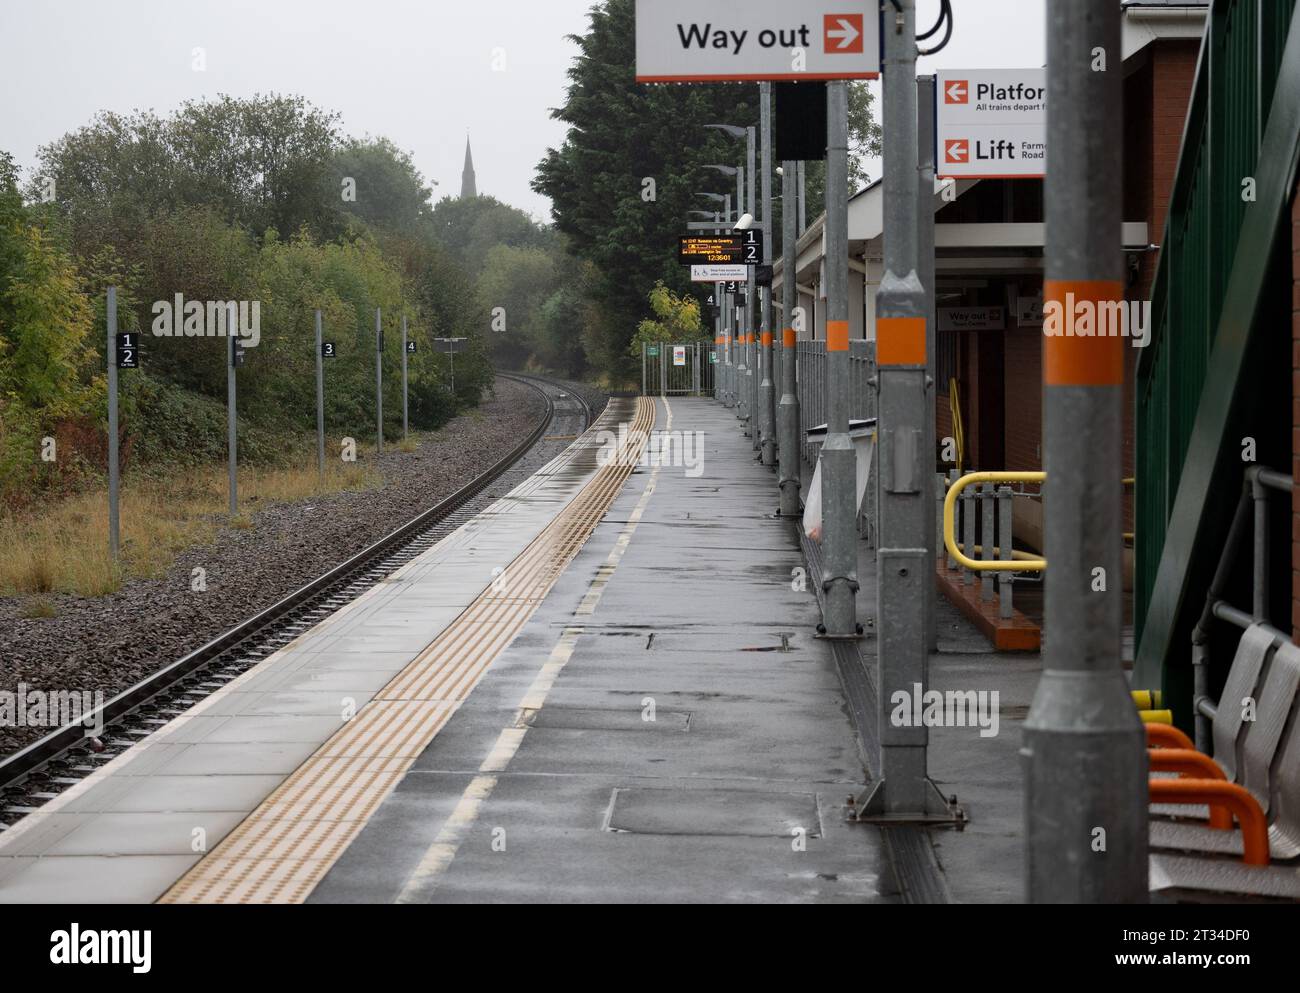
x: 741, y: 347
x: 232, y: 447
x: 405, y: 429
x: 452, y: 357
x: 767, y: 387
x: 320, y: 397
x: 803, y: 196
x: 724, y: 360
x: 904, y: 564
x: 1083, y: 746
x: 643, y: 382
x: 753, y: 419
x: 787, y: 414
x: 925, y: 125
x: 839, y: 464
x: 379, y: 384
x: 1005, y: 512
x: 114, y: 533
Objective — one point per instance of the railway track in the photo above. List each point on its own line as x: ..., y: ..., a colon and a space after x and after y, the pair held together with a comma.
x: 38, y: 773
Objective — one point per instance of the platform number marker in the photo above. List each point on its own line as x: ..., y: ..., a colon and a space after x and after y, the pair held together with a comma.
x: 128, y: 352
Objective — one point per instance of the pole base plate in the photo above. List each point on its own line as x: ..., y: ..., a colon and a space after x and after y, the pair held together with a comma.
x: 868, y: 807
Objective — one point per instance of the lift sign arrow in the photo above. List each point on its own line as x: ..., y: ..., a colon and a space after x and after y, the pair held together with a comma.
x: 846, y: 31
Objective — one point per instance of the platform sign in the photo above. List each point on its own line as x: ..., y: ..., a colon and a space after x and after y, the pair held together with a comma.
x: 990, y: 123
x: 718, y: 41
x: 971, y: 319
x: 410, y: 348
x: 449, y: 346
x: 679, y: 355
x: 327, y: 350
x: 717, y: 273
x: 739, y: 249
x: 128, y: 352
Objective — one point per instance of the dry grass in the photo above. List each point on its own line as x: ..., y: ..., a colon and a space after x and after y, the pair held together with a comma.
x: 63, y: 547
x: 408, y: 445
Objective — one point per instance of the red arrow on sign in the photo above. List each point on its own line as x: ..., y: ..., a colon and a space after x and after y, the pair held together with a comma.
x: 843, y: 34
x: 956, y: 150
x: 955, y: 92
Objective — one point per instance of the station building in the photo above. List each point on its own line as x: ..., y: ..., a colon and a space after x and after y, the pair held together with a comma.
x: 989, y: 240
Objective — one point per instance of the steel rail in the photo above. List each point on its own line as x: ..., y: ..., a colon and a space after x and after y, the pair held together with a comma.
x: 263, y: 626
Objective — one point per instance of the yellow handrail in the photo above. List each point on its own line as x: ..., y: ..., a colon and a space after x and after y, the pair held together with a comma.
x: 949, y: 517
x: 958, y: 428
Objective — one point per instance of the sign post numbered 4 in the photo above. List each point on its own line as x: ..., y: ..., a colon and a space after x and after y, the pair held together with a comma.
x: 719, y: 41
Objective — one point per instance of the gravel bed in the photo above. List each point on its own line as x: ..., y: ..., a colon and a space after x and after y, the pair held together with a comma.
x: 108, y: 643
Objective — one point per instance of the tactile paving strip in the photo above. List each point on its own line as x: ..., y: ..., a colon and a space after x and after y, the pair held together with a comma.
x: 282, y: 850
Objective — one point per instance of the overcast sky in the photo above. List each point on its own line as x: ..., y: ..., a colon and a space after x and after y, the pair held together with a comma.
x: 420, y: 71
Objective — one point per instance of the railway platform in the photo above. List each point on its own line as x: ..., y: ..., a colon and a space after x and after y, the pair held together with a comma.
x: 605, y: 687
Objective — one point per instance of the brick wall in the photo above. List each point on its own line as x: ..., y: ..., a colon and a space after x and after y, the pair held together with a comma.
x: 1023, y: 360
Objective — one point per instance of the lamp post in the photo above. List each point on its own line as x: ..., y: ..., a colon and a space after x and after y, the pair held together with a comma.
x: 745, y: 201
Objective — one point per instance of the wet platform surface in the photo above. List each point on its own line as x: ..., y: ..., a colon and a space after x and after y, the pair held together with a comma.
x: 665, y: 728
x: 127, y: 832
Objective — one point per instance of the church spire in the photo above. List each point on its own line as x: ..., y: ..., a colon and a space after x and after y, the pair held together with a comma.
x: 468, y: 188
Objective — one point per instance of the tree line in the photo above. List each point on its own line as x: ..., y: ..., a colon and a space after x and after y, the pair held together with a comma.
x: 260, y: 199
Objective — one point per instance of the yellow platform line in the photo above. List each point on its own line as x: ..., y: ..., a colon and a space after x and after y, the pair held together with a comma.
x: 281, y: 851
x: 438, y: 857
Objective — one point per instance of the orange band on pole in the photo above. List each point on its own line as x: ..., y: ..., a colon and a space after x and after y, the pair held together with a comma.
x: 837, y: 336
x: 1096, y: 357
x: 787, y: 338
x: 900, y: 341
x: 767, y: 339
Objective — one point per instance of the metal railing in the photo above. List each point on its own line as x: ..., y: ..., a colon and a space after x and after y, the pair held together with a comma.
x: 1208, y: 301
x: 678, y: 369
x: 986, y: 515
x: 810, y: 378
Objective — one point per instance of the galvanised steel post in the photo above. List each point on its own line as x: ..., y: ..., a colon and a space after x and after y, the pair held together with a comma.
x: 767, y: 388
x: 753, y: 427
x: 232, y: 448
x: 925, y: 270
x: 740, y: 350
x: 787, y: 414
x: 113, y: 478
x: 839, y: 463
x: 320, y: 397
x: 802, y: 195
x: 379, y: 384
x: 1083, y: 745
x: 904, y: 562
x: 404, y: 427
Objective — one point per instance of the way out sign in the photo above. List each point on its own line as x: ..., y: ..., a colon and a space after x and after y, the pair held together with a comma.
x: 718, y: 41
x: 991, y: 123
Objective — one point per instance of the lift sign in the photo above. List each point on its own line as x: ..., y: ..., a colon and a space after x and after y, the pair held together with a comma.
x: 712, y: 41
x: 991, y: 123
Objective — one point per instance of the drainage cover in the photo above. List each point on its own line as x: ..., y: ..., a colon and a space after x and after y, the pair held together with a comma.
x: 626, y: 719
x: 738, y: 813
